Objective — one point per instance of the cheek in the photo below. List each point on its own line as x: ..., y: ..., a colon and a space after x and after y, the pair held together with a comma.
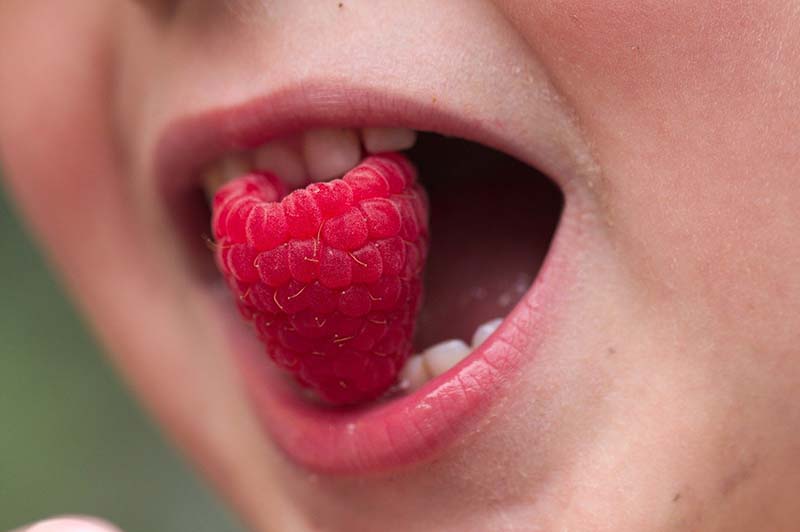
x: 53, y: 133
x: 640, y: 51
x: 60, y: 152
x: 689, y: 108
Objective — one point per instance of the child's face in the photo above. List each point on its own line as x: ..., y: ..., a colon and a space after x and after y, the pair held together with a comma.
x: 650, y: 380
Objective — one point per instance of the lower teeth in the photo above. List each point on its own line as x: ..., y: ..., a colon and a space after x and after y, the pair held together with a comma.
x: 432, y: 362
x: 440, y: 358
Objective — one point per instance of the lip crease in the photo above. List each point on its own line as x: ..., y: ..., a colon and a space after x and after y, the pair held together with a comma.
x: 411, y: 428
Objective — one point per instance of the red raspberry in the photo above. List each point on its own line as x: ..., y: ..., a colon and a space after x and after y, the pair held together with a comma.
x: 330, y: 274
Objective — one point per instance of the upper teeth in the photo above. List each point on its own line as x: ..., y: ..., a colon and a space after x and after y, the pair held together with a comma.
x: 379, y: 139
x: 281, y: 159
x: 315, y: 155
x: 439, y: 358
x: 217, y: 175
x: 330, y: 153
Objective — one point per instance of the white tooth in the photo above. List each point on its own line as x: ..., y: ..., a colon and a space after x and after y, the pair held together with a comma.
x: 485, y: 331
x: 212, y: 180
x: 380, y: 139
x: 414, y: 373
x: 330, y: 153
x: 283, y: 161
x: 233, y: 166
x: 443, y: 356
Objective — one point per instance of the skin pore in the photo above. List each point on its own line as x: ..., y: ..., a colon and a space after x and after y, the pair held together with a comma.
x: 666, y: 398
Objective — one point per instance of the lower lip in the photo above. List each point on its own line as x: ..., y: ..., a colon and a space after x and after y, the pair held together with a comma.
x: 416, y: 427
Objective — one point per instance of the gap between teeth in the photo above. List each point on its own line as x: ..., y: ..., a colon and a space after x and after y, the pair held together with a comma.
x: 439, y: 358
x: 315, y: 155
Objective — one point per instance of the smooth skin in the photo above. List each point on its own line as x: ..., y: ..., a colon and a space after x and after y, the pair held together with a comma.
x: 668, y: 399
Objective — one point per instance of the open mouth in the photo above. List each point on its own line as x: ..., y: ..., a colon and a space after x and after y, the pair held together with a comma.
x: 492, y: 226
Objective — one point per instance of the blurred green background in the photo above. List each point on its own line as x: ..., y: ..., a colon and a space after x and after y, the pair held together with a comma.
x: 71, y: 439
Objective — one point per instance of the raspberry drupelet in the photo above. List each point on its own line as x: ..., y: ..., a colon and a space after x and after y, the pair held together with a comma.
x: 331, y: 273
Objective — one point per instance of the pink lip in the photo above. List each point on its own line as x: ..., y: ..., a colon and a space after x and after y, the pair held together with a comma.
x: 413, y: 427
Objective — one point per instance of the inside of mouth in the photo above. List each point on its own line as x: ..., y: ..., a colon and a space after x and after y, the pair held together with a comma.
x: 492, y: 219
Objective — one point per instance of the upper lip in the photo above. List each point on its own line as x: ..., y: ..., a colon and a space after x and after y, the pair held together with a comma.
x: 412, y: 427
x: 189, y: 142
